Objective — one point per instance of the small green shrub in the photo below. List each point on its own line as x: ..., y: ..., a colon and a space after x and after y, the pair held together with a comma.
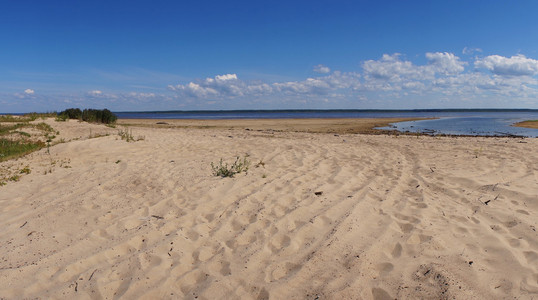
x: 14, y: 178
x: 25, y: 170
x: 224, y: 170
x: 61, y: 118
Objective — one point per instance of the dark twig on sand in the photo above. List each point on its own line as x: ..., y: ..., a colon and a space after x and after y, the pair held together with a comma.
x: 92, y: 274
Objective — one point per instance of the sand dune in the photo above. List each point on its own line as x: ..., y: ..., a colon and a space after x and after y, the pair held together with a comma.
x: 398, y: 217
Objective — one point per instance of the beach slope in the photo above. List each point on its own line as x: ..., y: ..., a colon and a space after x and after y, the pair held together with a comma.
x: 316, y: 216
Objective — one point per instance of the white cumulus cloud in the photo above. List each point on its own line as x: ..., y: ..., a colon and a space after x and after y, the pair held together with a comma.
x: 517, y: 65
x: 445, y: 63
x: 230, y: 86
x: 469, y: 51
x: 226, y: 77
x: 29, y: 91
x: 322, y: 69
x: 221, y: 85
x: 391, y: 67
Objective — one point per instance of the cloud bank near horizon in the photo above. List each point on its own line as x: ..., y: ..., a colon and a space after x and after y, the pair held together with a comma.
x: 444, y: 80
x: 392, y: 76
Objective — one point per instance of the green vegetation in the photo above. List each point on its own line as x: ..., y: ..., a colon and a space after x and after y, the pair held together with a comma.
x: 61, y: 118
x: 12, y: 149
x: 26, y: 117
x: 223, y: 170
x: 126, y: 135
x: 71, y: 113
x: 12, y: 119
x: 16, y: 143
x: 44, y: 127
x: 6, y: 129
x: 104, y: 116
x: 34, y: 116
x: 14, y: 178
x: 25, y: 134
x: 25, y: 170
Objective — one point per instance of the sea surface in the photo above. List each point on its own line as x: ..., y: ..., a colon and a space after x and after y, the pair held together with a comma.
x: 486, y: 122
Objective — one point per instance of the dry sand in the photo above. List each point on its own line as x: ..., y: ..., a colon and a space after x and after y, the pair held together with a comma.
x: 398, y: 217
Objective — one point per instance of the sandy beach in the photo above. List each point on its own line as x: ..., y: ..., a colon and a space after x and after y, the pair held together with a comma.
x: 320, y: 214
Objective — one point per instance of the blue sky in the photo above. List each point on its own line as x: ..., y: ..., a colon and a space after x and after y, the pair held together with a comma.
x: 191, y: 55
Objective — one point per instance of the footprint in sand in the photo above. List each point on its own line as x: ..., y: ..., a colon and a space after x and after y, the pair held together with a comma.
x: 225, y: 269
x: 263, y: 295
x: 409, y: 219
x: 406, y: 227
x: 202, y: 254
x: 381, y: 294
x: 419, y: 205
x: 531, y: 256
x: 384, y: 268
x: 416, y: 239
x: 279, y: 242
x: 283, y: 270
x: 397, y: 251
x: 523, y: 212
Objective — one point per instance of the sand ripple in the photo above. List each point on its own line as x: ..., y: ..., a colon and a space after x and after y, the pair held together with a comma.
x: 398, y: 217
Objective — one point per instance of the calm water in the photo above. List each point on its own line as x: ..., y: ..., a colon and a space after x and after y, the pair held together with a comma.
x: 480, y: 125
x: 456, y: 122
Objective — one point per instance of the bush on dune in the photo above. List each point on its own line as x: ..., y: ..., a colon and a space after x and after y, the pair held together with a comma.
x: 104, y: 116
x: 71, y: 113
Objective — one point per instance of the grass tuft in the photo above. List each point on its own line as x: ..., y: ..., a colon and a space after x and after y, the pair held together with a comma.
x: 12, y: 149
x: 224, y: 170
x: 25, y: 170
x: 126, y: 135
